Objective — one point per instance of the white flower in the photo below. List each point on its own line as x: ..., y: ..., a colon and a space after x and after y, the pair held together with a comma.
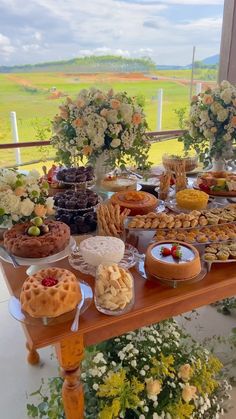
x: 146, y: 409
x: 133, y: 363
x: 50, y: 202
x: 226, y: 95
x: 112, y: 116
x: 115, y: 143
x: 141, y: 417
x: 95, y: 386
x: 142, y: 372
x: 225, y: 84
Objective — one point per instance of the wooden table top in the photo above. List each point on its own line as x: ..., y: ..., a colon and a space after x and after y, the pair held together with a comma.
x: 153, y: 302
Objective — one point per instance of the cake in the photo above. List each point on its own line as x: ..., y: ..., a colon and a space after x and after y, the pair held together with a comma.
x: 217, y: 183
x: 49, y: 240
x: 119, y: 183
x: 172, y: 261
x: 50, y: 293
x: 136, y: 202
x: 192, y: 199
x: 113, y: 288
x: 102, y: 250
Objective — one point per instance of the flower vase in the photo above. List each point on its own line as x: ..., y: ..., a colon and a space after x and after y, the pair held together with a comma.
x: 101, y: 168
x: 218, y: 165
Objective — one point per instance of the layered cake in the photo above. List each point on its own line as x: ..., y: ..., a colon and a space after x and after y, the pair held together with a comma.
x: 217, y: 183
x: 136, y: 202
x: 172, y: 261
x: 192, y: 199
x: 102, y: 250
x: 29, y: 240
x: 50, y: 293
x: 119, y: 183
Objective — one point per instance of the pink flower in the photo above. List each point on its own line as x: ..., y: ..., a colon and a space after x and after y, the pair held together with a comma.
x: 104, y: 112
x: 136, y: 119
x: 208, y: 99
x: 115, y: 104
x: 188, y: 393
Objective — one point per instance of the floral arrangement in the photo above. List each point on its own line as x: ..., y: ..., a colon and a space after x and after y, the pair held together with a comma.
x: 212, y: 124
x: 156, y: 372
x: 98, y: 123
x: 23, y: 197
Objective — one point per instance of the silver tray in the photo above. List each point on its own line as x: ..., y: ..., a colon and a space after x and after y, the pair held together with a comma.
x: 129, y: 219
x: 15, y: 310
x: 173, y: 206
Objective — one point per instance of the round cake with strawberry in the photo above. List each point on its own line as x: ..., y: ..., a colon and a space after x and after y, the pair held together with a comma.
x: 172, y: 261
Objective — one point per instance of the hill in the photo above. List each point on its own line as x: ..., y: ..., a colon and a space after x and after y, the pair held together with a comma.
x: 92, y: 64
x: 213, y: 60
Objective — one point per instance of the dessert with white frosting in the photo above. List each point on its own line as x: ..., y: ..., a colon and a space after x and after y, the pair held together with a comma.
x: 102, y: 250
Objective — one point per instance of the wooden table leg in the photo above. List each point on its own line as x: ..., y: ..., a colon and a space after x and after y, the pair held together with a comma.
x: 33, y: 357
x: 70, y: 354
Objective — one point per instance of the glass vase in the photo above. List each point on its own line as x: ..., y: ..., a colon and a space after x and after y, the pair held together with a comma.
x: 101, y: 167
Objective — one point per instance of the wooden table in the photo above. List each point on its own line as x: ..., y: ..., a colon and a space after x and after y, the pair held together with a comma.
x: 154, y: 302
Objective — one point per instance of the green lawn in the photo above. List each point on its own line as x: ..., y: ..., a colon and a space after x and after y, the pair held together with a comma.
x: 31, y: 104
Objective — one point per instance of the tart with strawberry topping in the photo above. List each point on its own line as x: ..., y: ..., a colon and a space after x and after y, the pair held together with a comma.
x: 172, y: 261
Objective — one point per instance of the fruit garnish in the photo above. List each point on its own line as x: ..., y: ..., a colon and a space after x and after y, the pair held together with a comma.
x: 174, y: 246
x: 165, y: 251
x: 49, y: 282
x: 133, y: 196
x: 177, y: 254
x: 204, y: 188
x: 33, y: 231
x: 37, y: 221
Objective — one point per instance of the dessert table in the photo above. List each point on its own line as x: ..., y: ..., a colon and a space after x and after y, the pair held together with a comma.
x: 153, y: 302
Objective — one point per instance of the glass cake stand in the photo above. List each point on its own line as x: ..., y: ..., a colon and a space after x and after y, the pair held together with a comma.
x: 76, y: 260
x: 171, y: 282
x: 17, y: 313
x: 35, y: 264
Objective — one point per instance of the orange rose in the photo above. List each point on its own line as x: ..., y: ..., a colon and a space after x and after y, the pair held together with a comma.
x: 40, y: 210
x: 104, y: 112
x: 78, y: 122
x: 136, y: 119
x: 19, y: 191
x: 115, y: 104
x: 87, y: 150
x: 50, y: 211
x: 185, y: 372
x: 208, y: 99
x: 189, y: 393
x: 153, y: 387
x: 233, y: 121
x: 64, y: 112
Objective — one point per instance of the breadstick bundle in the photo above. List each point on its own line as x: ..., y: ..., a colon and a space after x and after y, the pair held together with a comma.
x: 164, y: 185
x: 111, y: 220
x: 180, y: 176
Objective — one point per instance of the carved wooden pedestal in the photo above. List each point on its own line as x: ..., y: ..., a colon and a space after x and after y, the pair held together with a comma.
x: 70, y: 354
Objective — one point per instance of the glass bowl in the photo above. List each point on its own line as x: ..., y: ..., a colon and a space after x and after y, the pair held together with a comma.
x: 169, y: 162
x: 113, y: 295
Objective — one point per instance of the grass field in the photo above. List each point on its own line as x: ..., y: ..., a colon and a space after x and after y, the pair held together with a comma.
x: 28, y: 94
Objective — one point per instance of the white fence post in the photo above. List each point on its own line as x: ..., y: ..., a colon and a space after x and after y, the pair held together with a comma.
x: 198, y: 88
x: 15, y: 136
x: 159, y: 109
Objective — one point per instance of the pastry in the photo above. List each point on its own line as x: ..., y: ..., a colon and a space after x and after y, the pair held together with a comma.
x: 76, y: 200
x: 52, y: 239
x: 102, y: 250
x: 76, y: 174
x: 210, y: 256
x: 111, y: 220
x: 113, y: 287
x: 136, y: 202
x: 164, y: 186
x: 180, y: 176
x: 170, y: 267
x: 50, y: 293
x: 192, y: 199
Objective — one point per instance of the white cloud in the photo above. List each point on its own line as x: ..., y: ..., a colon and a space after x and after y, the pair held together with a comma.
x: 6, y: 48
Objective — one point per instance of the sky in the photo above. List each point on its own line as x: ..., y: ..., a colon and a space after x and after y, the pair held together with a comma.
x: 36, y: 31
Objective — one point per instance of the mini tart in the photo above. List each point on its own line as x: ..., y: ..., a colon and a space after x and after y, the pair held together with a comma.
x: 138, y: 202
x: 186, y: 268
x: 21, y: 244
x: 50, y: 293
